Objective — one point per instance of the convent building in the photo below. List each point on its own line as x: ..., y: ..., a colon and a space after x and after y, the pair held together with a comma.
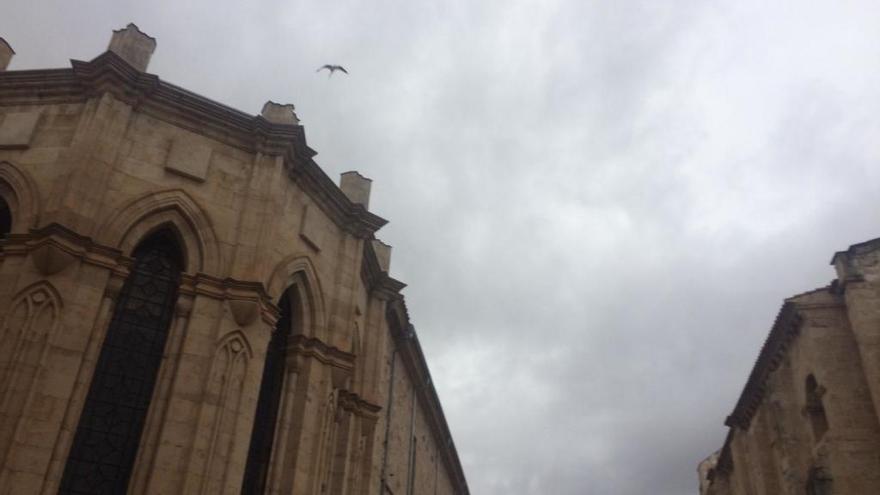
x: 808, y: 420
x: 189, y: 305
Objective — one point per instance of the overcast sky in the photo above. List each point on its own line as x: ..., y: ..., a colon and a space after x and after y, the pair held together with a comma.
x: 598, y: 206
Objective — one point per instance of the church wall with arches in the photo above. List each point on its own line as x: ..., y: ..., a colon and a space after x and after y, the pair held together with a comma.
x: 132, y: 207
x: 807, y: 420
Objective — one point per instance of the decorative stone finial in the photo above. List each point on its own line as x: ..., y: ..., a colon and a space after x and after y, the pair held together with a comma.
x: 356, y: 187
x: 279, y: 114
x: 133, y: 46
x: 383, y: 254
x: 6, y: 53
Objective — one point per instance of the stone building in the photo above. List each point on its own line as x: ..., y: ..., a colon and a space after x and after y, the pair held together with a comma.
x: 188, y: 304
x: 807, y: 420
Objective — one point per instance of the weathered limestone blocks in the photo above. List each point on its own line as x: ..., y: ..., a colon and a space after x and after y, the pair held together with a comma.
x: 356, y: 187
x: 133, y: 46
x: 55, y: 293
x: 808, y: 419
x: 6, y: 54
x: 278, y: 113
x: 100, y: 157
x: 17, y: 129
x: 383, y: 254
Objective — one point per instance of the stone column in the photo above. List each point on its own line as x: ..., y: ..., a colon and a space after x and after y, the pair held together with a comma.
x: 55, y: 313
x: 83, y: 381
x: 315, y: 370
x: 158, y: 412
x: 201, y: 422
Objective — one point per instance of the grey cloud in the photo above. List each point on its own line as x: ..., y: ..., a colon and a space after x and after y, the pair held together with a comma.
x: 599, y: 206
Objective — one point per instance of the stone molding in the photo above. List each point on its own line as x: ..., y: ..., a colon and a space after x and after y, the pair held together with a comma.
x: 376, y: 280
x: 785, y: 329
x: 858, y: 263
x: 406, y: 341
x: 353, y: 403
x: 301, y: 347
x: 126, y: 227
x: 110, y: 73
x: 247, y: 299
x: 299, y: 272
x: 25, y: 201
x: 54, y: 247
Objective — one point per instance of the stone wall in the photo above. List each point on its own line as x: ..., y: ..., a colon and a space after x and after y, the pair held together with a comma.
x: 96, y: 158
x: 807, y: 420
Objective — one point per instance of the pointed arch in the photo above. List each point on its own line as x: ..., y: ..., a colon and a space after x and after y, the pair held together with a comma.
x: 108, y: 436
x: 815, y: 407
x: 298, y: 272
x: 20, y: 193
x: 226, y: 385
x: 229, y: 340
x: 37, y: 304
x: 27, y: 333
x: 173, y: 209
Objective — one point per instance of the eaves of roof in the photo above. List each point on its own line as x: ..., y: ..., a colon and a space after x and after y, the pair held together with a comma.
x: 147, y: 93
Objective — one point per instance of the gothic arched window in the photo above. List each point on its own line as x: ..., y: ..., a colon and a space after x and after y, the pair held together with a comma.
x: 109, y: 432
x: 260, y: 451
x: 5, y: 218
x: 815, y: 409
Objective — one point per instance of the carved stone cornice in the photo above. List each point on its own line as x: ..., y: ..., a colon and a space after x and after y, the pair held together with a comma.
x: 857, y: 263
x: 353, y: 403
x: 785, y: 329
x: 54, y: 247
x: 109, y: 73
x: 247, y: 300
x: 406, y: 342
x: 301, y: 347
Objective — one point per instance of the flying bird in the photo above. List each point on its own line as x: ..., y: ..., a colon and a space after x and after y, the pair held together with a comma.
x: 332, y: 69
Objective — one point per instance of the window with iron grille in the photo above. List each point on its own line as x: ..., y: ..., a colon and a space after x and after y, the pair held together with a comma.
x: 112, y: 420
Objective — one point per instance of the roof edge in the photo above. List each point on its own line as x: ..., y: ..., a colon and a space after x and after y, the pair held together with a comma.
x: 110, y: 73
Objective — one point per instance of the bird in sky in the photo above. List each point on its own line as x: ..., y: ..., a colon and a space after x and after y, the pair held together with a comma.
x: 332, y: 69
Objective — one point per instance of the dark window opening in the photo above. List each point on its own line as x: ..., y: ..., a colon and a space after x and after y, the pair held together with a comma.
x: 262, y: 436
x: 112, y: 421
x: 815, y: 409
x: 5, y: 218
x: 819, y: 482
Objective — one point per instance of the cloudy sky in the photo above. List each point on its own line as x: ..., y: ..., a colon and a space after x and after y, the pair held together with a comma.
x: 598, y: 205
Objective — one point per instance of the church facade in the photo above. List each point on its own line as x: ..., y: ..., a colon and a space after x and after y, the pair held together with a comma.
x: 189, y: 305
x: 808, y: 419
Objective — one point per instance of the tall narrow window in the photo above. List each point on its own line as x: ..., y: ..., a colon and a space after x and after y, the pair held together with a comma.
x: 819, y: 482
x: 815, y: 409
x: 262, y: 436
x: 107, y: 438
x: 5, y: 218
